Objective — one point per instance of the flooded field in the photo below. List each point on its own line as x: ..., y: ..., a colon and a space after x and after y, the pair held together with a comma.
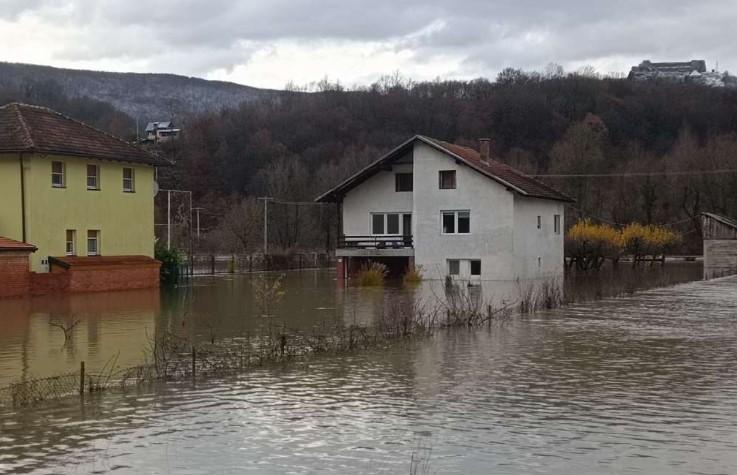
x: 645, y: 383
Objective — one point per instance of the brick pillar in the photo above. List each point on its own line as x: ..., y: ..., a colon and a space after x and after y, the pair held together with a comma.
x: 15, y: 274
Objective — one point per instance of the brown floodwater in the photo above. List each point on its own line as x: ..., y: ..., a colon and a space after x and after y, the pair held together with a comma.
x: 646, y: 383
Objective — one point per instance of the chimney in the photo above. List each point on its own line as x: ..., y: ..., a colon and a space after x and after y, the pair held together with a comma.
x: 484, y: 145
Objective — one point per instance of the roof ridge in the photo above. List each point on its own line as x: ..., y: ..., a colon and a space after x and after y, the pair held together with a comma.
x: 23, y: 124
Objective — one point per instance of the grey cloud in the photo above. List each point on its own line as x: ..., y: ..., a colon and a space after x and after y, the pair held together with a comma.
x: 489, y: 35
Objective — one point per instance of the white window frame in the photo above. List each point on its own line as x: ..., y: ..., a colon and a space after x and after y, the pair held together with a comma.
x: 131, y: 188
x: 440, y: 179
x: 400, y: 214
x: 411, y: 182
x: 556, y: 223
x: 62, y: 174
x: 456, y: 213
x: 96, y: 236
x: 70, y: 250
x: 96, y: 176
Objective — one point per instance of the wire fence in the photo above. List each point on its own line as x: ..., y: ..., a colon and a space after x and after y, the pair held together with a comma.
x: 245, y: 263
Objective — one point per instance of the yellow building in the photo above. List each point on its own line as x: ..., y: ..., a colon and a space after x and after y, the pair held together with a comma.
x: 71, y: 190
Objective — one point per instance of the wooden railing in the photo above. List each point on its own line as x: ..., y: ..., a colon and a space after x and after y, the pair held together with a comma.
x: 374, y: 242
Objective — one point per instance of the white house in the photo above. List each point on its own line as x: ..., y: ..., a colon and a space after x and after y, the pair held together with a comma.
x: 161, y: 131
x: 452, y: 210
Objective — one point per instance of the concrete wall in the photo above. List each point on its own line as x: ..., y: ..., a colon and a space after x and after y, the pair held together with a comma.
x: 376, y: 195
x: 125, y: 220
x: 539, y: 252
x: 720, y: 257
x: 492, y: 219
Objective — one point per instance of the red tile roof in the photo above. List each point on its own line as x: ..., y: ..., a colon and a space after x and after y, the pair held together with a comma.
x: 513, y: 179
x: 503, y: 173
x: 27, y: 128
x: 7, y: 244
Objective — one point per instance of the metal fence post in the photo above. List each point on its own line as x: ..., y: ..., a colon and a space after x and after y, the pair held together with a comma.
x: 81, y: 378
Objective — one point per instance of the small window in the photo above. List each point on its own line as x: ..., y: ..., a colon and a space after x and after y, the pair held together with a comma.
x: 476, y: 267
x: 377, y: 224
x: 71, y: 243
x: 454, y: 267
x: 406, y: 224
x: 392, y: 224
x: 464, y: 222
x: 129, y: 180
x: 93, y: 177
x: 93, y: 243
x: 556, y: 223
x: 449, y: 222
x: 403, y: 182
x: 539, y: 222
x: 57, y: 175
x: 447, y: 179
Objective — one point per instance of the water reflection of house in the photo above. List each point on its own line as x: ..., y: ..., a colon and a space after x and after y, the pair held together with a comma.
x: 117, y: 325
x: 451, y: 209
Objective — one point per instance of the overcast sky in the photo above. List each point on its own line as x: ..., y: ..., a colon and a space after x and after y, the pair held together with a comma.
x: 268, y: 43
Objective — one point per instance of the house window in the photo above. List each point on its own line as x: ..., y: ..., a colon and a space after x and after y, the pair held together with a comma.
x: 456, y: 222
x: 57, y: 175
x: 93, y: 243
x: 71, y: 249
x: 394, y: 224
x: 556, y: 223
x: 93, y: 177
x: 476, y: 267
x: 403, y: 182
x: 447, y: 179
x: 539, y: 222
x: 454, y: 267
x: 377, y: 224
x: 129, y: 180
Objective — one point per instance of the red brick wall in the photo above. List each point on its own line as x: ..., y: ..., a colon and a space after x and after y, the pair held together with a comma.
x: 114, y: 278
x: 15, y: 274
x: 45, y: 284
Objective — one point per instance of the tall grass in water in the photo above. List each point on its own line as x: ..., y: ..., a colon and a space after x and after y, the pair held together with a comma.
x: 413, y: 275
x: 372, y: 274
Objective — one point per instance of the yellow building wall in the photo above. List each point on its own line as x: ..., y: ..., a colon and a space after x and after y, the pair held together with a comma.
x: 10, y: 197
x: 125, y: 220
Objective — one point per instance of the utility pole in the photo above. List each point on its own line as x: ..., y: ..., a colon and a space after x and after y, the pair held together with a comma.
x: 266, y: 224
x: 168, y: 219
x: 198, y: 222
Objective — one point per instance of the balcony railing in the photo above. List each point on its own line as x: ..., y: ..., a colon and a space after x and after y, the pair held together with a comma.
x: 374, y: 242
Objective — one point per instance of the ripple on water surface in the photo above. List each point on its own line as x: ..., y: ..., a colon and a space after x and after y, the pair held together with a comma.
x: 643, y: 384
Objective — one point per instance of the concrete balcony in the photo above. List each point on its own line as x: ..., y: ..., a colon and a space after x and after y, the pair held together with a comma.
x: 375, y: 246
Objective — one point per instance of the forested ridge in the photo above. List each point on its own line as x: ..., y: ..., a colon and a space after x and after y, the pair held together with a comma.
x: 655, y: 138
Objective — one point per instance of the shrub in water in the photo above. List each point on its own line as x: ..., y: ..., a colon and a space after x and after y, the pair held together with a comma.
x: 413, y: 275
x: 372, y: 274
x: 170, y: 260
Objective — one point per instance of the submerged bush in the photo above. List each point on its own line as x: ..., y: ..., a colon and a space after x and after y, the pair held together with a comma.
x: 372, y: 274
x: 413, y: 275
x: 171, y: 260
x: 589, y: 244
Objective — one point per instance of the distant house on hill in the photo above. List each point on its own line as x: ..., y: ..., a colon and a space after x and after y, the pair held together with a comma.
x: 161, y: 131
x: 454, y: 211
x: 693, y: 71
x: 79, y: 199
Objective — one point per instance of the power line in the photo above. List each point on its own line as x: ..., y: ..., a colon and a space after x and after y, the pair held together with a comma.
x: 637, y: 174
